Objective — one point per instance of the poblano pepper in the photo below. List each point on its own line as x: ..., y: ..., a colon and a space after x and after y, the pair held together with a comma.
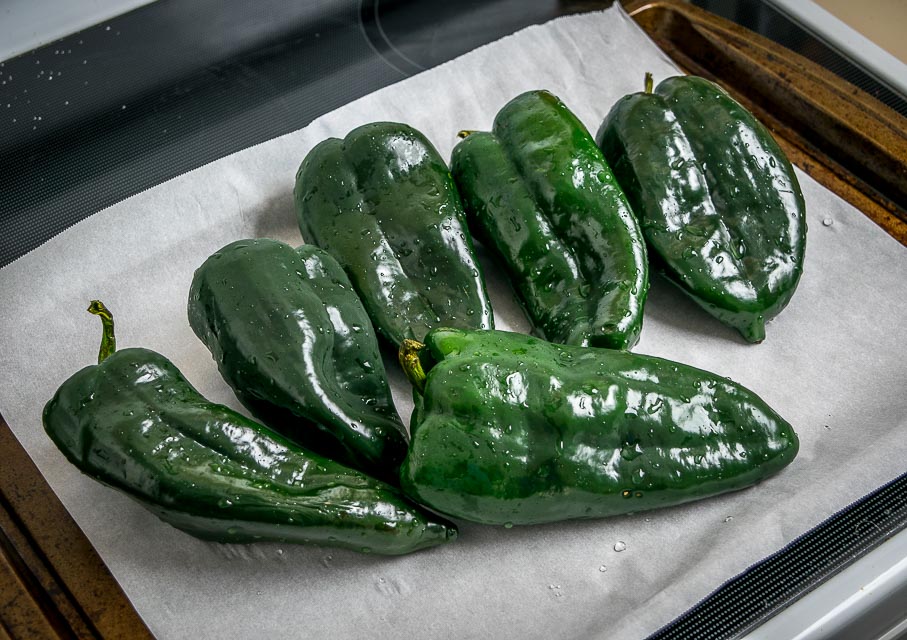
x: 539, y: 192
x: 382, y: 202
x: 719, y: 203
x: 133, y: 422
x: 293, y: 341
x: 509, y: 429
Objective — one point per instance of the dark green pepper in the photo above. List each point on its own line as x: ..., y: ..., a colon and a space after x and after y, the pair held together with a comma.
x: 718, y: 201
x: 538, y: 191
x: 383, y: 203
x: 293, y: 341
x: 133, y: 422
x: 509, y: 429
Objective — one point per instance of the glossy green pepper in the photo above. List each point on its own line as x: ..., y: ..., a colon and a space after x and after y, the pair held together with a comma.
x: 539, y: 192
x: 133, y: 422
x: 292, y: 339
x: 383, y: 203
x: 718, y: 201
x: 509, y: 429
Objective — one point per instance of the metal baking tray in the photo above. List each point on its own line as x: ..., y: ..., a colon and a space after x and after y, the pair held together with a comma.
x: 52, y: 582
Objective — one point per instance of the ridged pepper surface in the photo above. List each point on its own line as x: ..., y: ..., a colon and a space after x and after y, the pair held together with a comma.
x: 382, y: 202
x: 509, y: 429
x: 291, y: 338
x: 718, y: 201
x: 539, y: 193
x: 134, y: 423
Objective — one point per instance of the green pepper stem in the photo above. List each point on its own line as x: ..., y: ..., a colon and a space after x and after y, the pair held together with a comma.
x: 108, y: 340
x: 465, y: 132
x: 650, y: 82
x: 412, y: 365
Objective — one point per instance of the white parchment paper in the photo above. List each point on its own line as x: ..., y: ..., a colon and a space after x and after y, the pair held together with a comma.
x: 833, y: 364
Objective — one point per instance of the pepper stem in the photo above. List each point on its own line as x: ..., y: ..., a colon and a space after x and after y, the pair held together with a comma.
x: 412, y: 365
x: 465, y: 132
x: 650, y: 82
x: 108, y: 340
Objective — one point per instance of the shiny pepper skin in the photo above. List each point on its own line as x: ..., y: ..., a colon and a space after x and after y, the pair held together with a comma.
x: 382, y: 202
x: 509, y: 429
x: 292, y: 339
x: 718, y: 201
x: 134, y: 423
x: 539, y: 193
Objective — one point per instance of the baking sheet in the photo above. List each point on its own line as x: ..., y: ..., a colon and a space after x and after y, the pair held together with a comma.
x: 833, y: 365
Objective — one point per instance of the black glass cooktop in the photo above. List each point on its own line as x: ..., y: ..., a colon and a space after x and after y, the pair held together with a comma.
x: 122, y: 106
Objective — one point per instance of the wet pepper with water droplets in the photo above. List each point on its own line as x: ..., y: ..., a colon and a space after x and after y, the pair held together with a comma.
x: 539, y: 192
x: 509, y: 429
x: 292, y: 339
x: 134, y: 423
x: 718, y: 201
x: 382, y: 202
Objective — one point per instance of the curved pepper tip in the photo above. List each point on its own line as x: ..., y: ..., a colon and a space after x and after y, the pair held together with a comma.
x: 754, y: 332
